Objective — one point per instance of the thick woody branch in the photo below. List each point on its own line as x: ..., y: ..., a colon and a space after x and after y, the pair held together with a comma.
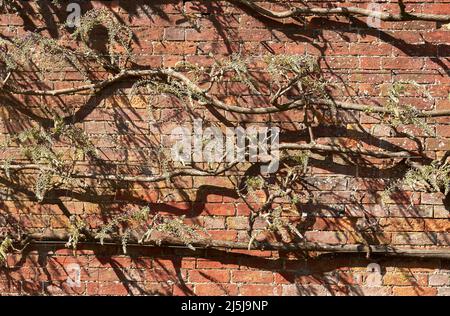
x: 163, y: 177
x: 156, y: 178
x: 350, y: 151
x: 63, y: 237
x: 219, y: 171
x: 344, y: 11
x: 209, y: 99
x: 376, y: 109
x: 93, y: 86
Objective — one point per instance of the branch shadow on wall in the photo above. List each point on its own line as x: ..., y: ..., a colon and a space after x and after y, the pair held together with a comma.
x: 129, y: 121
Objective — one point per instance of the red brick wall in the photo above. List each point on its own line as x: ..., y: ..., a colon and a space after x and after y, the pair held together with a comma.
x: 359, y: 61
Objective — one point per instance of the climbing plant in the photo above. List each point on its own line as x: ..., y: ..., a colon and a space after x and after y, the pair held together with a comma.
x: 55, y: 146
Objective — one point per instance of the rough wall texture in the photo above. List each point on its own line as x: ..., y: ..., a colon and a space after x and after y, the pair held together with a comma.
x: 360, y: 62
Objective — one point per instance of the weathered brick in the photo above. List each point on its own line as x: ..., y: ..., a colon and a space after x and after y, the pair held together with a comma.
x: 209, y: 276
x: 252, y: 277
x: 237, y: 222
x: 414, y: 291
x: 415, y: 238
x: 405, y: 279
x: 432, y: 198
x: 174, y: 34
x: 216, y: 289
x: 299, y: 290
x: 437, y: 225
x: 439, y: 279
x: 258, y: 290
x: 402, y: 224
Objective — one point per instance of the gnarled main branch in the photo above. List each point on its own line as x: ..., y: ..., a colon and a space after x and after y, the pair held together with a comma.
x: 345, y: 11
x: 212, y: 100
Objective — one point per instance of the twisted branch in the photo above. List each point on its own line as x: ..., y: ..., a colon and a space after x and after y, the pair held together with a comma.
x: 345, y: 11
x: 156, y: 178
x: 200, y: 172
x: 214, y: 101
x: 345, y: 150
